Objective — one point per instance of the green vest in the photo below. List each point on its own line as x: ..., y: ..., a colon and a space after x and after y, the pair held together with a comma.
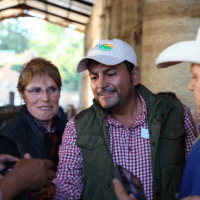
x: 167, y: 140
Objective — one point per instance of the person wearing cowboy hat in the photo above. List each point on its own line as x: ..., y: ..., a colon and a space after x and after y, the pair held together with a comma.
x: 187, y: 51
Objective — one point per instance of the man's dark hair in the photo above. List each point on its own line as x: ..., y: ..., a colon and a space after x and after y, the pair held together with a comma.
x: 129, y: 66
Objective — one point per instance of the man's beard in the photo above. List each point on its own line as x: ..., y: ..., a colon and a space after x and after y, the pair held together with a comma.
x: 113, y: 105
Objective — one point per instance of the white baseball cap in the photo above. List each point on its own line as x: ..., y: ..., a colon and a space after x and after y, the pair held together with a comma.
x: 109, y: 52
x: 186, y: 51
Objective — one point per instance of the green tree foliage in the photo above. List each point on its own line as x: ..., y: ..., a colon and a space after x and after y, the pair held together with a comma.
x: 13, y: 36
x: 64, y: 47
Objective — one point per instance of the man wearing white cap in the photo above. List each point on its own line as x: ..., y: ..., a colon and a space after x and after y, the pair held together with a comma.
x: 127, y: 125
x: 187, y: 51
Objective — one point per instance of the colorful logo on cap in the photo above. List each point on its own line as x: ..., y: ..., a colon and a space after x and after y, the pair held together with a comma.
x: 106, y: 47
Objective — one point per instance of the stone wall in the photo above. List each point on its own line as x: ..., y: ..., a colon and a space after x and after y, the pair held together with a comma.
x: 149, y: 26
x: 165, y: 23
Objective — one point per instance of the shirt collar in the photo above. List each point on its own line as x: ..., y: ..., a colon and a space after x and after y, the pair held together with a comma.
x: 42, y: 127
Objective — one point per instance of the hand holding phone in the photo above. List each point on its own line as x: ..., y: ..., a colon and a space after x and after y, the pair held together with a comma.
x: 131, y: 184
x: 8, y: 167
x: 6, y: 162
x: 120, y: 192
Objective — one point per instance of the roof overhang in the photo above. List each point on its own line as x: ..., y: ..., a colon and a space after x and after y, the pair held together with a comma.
x: 66, y: 13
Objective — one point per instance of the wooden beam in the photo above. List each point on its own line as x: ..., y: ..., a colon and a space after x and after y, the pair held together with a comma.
x: 84, y: 2
x: 26, y: 7
x: 64, y: 8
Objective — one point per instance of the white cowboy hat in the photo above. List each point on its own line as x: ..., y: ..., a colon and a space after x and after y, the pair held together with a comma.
x: 186, y: 51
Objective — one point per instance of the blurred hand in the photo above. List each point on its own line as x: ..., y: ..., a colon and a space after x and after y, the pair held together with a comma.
x: 34, y: 173
x: 120, y: 191
x: 5, y: 158
x: 43, y: 193
x: 27, y: 156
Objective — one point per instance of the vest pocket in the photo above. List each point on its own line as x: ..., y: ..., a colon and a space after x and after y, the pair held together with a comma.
x: 89, y: 140
x: 99, y: 186
x: 173, y: 132
x: 96, y: 154
x: 172, y: 145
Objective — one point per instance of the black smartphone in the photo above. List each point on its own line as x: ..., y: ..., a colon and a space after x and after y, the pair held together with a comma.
x: 125, y: 178
x: 9, y: 166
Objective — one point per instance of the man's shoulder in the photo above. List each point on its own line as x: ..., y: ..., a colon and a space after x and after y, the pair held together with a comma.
x: 83, y: 113
x: 89, y: 120
x: 171, y: 106
x: 172, y: 99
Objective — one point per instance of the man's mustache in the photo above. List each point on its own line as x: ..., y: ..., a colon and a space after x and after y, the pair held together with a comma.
x: 106, y: 90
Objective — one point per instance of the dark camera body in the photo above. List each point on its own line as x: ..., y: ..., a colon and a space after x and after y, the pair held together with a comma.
x: 9, y: 166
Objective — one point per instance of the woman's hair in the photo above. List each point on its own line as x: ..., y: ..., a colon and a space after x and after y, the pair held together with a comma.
x: 37, y: 66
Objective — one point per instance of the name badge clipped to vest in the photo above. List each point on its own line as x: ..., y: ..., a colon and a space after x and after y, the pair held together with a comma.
x: 145, y: 133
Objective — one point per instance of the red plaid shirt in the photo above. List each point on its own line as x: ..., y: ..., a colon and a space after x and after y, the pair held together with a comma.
x: 128, y: 148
